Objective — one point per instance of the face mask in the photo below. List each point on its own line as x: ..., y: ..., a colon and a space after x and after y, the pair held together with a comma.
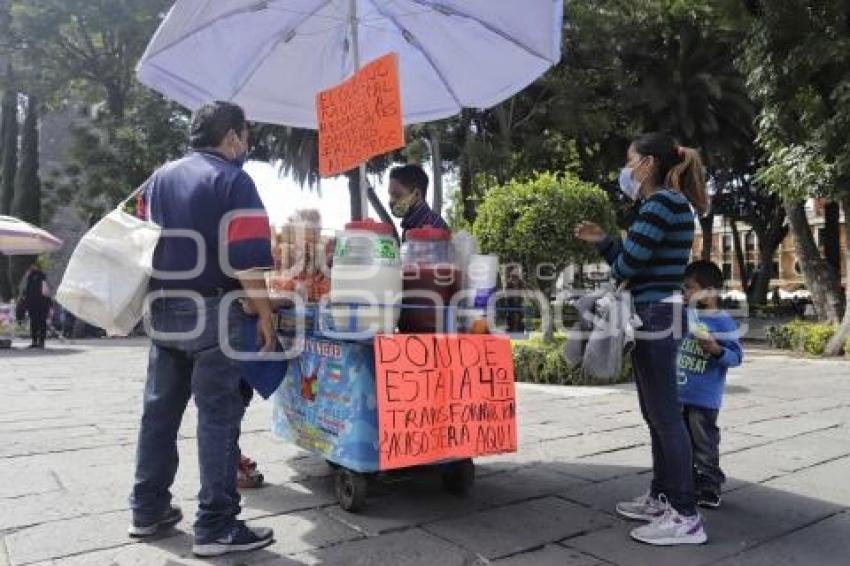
x: 402, y: 206
x: 628, y: 185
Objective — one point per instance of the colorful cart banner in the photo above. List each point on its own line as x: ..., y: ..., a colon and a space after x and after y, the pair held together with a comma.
x: 327, y: 404
x: 444, y: 397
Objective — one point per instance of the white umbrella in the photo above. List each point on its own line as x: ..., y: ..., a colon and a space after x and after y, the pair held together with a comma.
x: 22, y: 238
x: 271, y: 57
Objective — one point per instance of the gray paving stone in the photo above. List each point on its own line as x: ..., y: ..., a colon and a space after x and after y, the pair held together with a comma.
x: 4, y: 556
x: 414, y: 502
x: 172, y: 551
x: 15, y: 482
x: 413, y: 547
x: 604, y: 496
x: 784, y: 456
x: 748, y: 517
x: 521, y: 484
x: 303, y: 531
x: 72, y: 536
x: 53, y: 507
x: 514, y: 528
x: 823, y: 544
x: 550, y: 555
x: 75, y: 415
x: 826, y: 482
x: 285, y: 498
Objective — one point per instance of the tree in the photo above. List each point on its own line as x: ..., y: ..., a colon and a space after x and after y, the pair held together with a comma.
x: 109, y: 157
x: 797, y: 59
x: 8, y: 167
x: 90, y: 46
x: 531, y: 223
x: 26, y: 203
x: 740, y: 197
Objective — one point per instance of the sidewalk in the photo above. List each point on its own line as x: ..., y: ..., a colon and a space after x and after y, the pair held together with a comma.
x: 67, y: 438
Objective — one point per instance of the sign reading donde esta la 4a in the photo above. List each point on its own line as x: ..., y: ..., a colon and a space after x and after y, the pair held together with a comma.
x: 443, y: 397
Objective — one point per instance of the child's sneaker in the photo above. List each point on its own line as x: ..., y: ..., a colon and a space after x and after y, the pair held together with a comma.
x: 644, y: 508
x: 671, y: 528
x: 240, y: 539
x: 709, y: 498
x: 141, y: 529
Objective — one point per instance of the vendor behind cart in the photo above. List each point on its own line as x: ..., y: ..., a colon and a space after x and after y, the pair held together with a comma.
x: 408, y: 190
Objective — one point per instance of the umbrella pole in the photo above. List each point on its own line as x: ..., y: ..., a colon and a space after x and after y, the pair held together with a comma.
x: 355, y: 50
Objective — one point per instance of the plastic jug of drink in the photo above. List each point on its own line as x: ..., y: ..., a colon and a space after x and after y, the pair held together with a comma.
x: 430, y: 280
x: 366, y: 272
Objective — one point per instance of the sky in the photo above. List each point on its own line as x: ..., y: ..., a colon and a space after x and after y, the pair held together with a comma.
x: 283, y: 196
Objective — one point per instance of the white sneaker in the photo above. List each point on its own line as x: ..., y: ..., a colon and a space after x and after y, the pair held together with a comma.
x: 644, y: 508
x: 672, y: 529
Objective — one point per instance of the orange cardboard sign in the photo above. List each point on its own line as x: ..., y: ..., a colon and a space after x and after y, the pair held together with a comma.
x: 360, y: 118
x: 443, y: 397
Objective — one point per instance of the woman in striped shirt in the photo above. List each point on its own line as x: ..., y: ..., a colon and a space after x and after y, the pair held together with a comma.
x: 652, y: 259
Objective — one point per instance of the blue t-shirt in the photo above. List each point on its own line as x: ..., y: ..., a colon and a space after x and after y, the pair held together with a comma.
x: 702, y: 376
x: 209, y: 196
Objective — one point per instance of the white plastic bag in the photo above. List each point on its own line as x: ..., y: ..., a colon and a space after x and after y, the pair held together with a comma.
x: 106, y: 281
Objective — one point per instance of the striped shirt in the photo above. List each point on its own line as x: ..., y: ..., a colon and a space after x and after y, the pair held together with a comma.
x: 420, y: 216
x: 656, y: 250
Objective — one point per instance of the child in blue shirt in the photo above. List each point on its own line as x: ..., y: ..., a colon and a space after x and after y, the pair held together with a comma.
x: 709, y: 349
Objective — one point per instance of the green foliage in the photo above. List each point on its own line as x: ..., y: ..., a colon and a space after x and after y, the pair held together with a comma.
x: 110, y: 157
x: 536, y: 361
x: 797, y: 60
x: 86, y: 48
x: 847, y: 349
x: 532, y: 224
x: 801, y: 336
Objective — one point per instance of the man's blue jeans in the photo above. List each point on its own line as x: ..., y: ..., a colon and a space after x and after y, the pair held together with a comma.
x: 180, y: 368
x: 654, y: 360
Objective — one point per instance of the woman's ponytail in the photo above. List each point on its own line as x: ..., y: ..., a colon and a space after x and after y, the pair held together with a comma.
x: 688, y: 177
x: 678, y: 167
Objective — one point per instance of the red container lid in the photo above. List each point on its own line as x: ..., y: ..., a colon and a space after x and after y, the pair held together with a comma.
x: 369, y: 225
x: 429, y: 233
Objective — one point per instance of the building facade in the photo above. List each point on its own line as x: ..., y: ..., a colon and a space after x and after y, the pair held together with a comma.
x: 786, y: 274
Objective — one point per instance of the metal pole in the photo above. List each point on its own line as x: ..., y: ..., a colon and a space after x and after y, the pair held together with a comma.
x: 355, y: 50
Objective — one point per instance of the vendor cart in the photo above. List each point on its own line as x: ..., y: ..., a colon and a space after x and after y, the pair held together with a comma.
x: 328, y: 406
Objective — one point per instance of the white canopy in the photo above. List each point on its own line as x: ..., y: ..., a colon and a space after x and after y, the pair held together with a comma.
x: 272, y: 57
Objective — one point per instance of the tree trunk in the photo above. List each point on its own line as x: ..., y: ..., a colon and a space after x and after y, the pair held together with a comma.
x: 757, y: 292
x: 354, y: 194
x: 548, y: 322
x: 739, y: 257
x: 833, y: 348
x: 707, y: 224
x: 467, y: 174
x: 116, y: 101
x: 437, y: 164
x: 831, y: 244
x: 8, y: 166
x: 820, y: 281
x: 26, y: 203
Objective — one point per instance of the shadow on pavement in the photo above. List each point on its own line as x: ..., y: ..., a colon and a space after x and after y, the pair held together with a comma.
x: 528, y: 514
x: 49, y: 352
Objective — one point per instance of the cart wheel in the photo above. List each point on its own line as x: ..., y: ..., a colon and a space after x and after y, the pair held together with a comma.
x: 458, y: 477
x: 351, y: 489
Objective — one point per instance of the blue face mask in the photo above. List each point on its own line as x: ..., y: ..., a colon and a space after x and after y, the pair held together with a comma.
x: 628, y: 185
